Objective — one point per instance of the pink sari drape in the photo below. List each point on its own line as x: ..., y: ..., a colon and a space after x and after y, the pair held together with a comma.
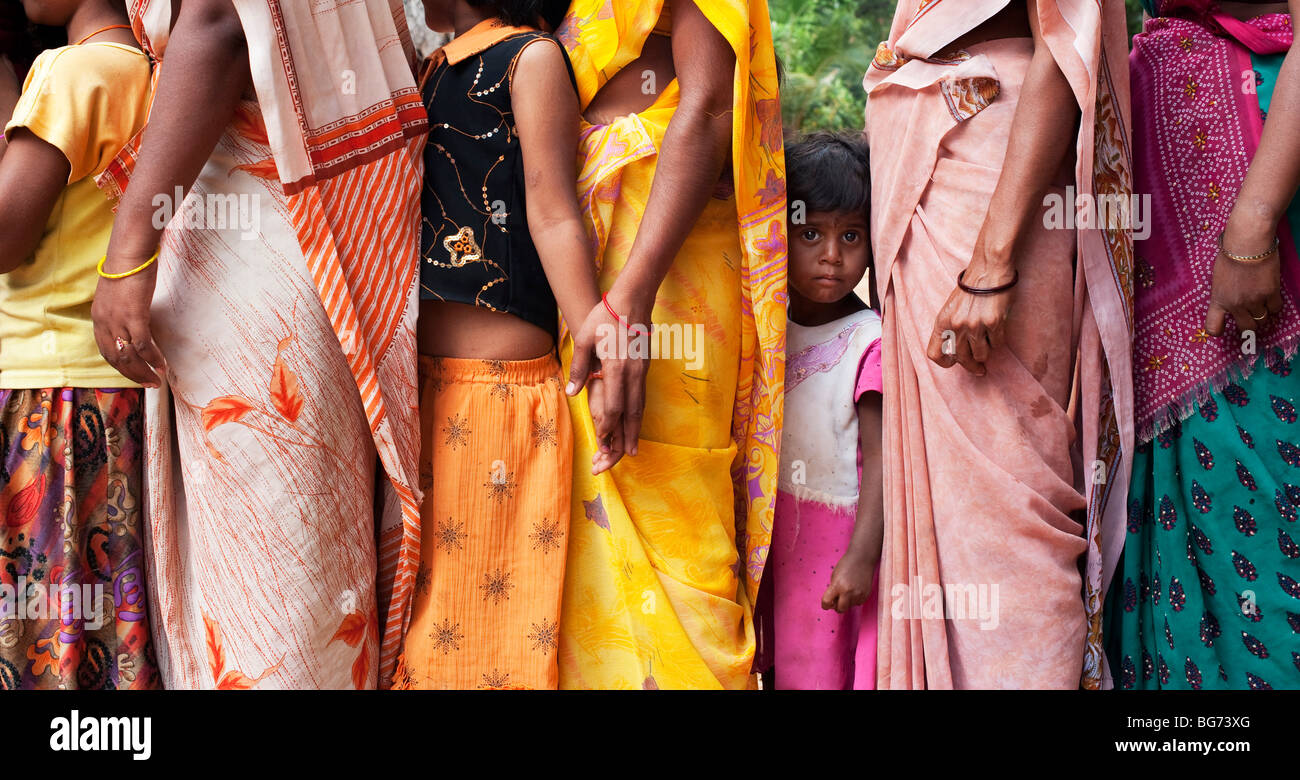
x: 1004, y: 489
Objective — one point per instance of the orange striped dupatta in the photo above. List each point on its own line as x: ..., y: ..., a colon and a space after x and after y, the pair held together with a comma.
x: 343, y: 118
x: 1089, y: 43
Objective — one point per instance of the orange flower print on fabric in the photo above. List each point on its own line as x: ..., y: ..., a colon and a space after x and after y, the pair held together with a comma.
x: 354, y: 631
x: 227, y: 679
x: 284, y: 386
x: 262, y: 169
x: 225, y: 409
x: 248, y: 123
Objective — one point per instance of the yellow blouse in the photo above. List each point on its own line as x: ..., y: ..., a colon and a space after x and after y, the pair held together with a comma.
x: 87, y: 101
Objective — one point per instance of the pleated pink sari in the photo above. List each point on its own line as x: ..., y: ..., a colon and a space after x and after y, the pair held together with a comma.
x: 1000, y: 491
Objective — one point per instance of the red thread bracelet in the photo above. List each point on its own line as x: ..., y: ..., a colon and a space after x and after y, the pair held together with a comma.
x: 630, y: 328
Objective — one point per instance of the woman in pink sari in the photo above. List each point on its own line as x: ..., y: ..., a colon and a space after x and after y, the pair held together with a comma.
x: 1006, y: 337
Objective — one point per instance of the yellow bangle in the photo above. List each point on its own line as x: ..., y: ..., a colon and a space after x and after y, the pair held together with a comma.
x: 132, y: 272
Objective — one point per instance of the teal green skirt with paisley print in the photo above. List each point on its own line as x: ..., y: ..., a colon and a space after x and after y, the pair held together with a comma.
x: 1207, y: 594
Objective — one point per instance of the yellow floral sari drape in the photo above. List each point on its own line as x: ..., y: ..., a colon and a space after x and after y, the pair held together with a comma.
x: 667, y: 549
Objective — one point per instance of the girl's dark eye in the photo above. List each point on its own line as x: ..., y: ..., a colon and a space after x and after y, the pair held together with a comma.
x: 810, y: 235
x: 851, y: 237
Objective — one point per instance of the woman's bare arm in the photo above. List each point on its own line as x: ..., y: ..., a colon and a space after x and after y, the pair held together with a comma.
x: 1042, y: 135
x: 695, y: 150
x: 546, y: 110
x: 205, y: 73
x: 1244, y: 292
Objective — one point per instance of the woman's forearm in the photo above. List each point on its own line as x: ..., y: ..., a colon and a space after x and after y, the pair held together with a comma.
x: 1042, y: 135
x: 205, y: 74
x: 694, y: 152
x: 1274, y: 175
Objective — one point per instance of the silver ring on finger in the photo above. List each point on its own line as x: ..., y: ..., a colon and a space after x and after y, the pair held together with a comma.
x: 121, y: 343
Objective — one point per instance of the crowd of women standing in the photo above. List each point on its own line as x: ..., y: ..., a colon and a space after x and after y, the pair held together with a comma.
x: 348, y: 415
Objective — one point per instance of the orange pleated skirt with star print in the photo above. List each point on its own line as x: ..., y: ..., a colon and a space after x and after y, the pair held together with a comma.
x: 496, y: 463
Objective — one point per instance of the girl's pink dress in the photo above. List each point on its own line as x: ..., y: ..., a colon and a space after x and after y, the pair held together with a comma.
x: 828, y: 368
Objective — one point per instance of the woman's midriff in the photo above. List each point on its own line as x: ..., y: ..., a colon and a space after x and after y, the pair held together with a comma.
x: 630, y: 91
x: 459, y: 330
x: 1010, y: 22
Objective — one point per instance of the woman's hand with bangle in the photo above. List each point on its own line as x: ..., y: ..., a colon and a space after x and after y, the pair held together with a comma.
x: 633, y: 304
x: 616, y: 394
x: 1247, y: 289
x: 970, y: 326
x: 592, y: 359
x: 122, y: 320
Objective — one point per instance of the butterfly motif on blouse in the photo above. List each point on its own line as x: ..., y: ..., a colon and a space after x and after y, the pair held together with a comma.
x: 816, y: 358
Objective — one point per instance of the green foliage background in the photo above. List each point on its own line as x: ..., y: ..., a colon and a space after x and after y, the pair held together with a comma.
x: 825, y: 47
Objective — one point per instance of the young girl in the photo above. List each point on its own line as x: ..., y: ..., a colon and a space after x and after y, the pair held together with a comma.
x: 826, y: 534
x: 72, y: 605
x: 503, y: 243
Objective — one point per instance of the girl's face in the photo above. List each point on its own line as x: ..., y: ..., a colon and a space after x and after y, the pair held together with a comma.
x: 438, y: 15
x: 829, y: 253
x: 55, y: 13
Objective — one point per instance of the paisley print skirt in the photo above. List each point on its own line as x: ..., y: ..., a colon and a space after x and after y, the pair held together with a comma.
x: 1208, y: 591
x: 72, y: 579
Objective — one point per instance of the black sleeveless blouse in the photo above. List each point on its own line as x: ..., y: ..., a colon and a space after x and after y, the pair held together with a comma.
x: 475, y: 245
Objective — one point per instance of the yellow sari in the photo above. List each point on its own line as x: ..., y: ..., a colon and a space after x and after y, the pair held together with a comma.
x: 666, y: 550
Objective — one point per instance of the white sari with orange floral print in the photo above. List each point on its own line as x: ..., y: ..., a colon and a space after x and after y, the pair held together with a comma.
x: 285, y: 307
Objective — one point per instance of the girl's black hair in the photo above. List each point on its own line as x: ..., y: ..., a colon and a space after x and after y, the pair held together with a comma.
x: 526, y: 13
x: 829, y: 172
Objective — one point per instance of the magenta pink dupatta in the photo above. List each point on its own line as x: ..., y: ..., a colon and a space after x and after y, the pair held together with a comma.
x: 1191, y: 158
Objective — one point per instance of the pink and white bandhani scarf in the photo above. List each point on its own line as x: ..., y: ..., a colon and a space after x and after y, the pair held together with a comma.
x: 1196, y: 126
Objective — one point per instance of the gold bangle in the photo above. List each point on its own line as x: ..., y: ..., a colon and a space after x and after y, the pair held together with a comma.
x: 132, y: 272
x: 1249, y: 258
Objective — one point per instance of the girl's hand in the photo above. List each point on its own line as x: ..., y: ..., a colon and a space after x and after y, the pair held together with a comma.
x: 850, y: 583
x: 1247, y: 292
x: 969, y: 327
x: 121, y: 316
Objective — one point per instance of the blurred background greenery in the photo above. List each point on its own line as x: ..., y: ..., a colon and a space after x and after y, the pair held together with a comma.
x: 825, y: 47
